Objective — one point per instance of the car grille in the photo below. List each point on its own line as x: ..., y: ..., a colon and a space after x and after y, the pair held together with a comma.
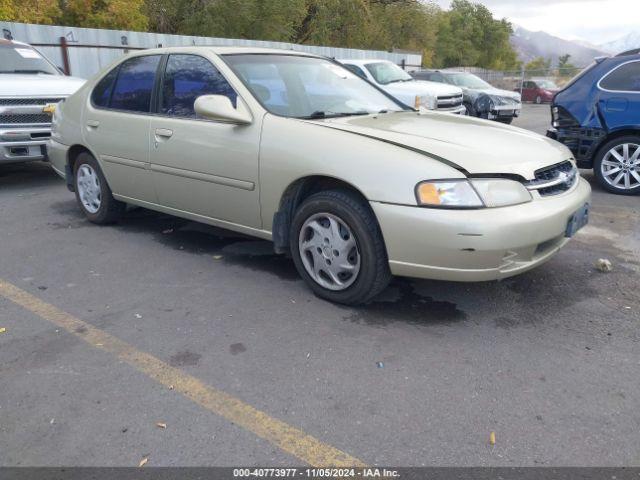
x: 28, y: 101
x: 449, y: 102
x: 25, y: 118
x: 555, y: 179
x: 25, y: 111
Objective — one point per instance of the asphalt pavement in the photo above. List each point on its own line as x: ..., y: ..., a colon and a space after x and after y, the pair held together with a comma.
x: 113, y: 332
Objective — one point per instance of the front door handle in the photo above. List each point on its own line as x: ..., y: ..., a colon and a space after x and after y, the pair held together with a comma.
x: 93, y: 123
x: 164, y: 132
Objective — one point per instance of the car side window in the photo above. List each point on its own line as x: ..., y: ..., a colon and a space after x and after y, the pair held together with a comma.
x: 102, y: 92
x: 625, y: 78
x: 356, y: 69
x: 187, y: 77
x: 134, y: 86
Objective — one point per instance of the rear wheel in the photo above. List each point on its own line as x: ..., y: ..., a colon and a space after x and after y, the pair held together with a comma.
x: 617, y: 166
x: 338, y: 249
x: 93, y: 193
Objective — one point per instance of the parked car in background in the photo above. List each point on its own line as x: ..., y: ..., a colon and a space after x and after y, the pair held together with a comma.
x: 353, y: 183
x: 480, y: 98
x: 394, y: 80
x: 597, y: 115
x: 30, y: 88
x: 538, y: 91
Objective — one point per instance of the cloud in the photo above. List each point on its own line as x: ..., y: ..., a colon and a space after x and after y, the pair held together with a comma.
x: 597, y: 21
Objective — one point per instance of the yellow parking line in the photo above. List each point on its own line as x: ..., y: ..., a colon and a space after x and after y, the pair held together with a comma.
x: 290, y: 439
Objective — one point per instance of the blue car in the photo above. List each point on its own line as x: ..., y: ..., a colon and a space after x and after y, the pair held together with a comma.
x: 597, y: 115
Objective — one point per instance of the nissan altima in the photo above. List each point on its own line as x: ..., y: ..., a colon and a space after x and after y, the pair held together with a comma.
x: 296, y: 149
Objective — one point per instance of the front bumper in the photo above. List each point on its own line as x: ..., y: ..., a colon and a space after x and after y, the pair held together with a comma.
x: 459, y: 110
x: 477, y: 245
x: 504, y: 111
x: 23, y: 144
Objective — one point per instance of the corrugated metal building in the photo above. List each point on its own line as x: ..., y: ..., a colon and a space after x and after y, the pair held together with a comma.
x: 89, y: 49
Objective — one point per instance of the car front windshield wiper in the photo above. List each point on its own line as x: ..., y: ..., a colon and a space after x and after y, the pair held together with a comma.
x: 322, y: 114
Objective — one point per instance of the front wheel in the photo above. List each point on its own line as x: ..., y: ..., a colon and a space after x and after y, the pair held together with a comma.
x: 538, y: 99
x: 93, y: 193
x: 507, y: 120
x: 617, y: 166
x: 337, y: 247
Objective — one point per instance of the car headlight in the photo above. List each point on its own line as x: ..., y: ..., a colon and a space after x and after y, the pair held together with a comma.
x: 427, y: 101
x: 500, y: 192
x: 474, y: 193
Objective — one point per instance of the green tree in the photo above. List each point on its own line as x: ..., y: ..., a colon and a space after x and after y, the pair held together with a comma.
x: 565, y: 67
x: 45, y: 12
x: 538, y: 66
x: 114, y: 14
x: 468, y: 35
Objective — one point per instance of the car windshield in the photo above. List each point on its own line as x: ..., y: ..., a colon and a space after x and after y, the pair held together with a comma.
x: 307, y: 87
x: 386, y: 72
x: 548, y: 84
x: 468, y: 80
x: 16, y: 58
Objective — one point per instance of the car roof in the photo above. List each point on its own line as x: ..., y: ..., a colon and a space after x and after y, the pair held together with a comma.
x: 228, y: 50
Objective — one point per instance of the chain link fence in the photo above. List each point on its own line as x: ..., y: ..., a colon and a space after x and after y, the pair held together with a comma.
x: 517, y: 79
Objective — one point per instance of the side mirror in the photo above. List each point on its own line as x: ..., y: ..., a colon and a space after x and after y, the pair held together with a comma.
x: 219, y: 107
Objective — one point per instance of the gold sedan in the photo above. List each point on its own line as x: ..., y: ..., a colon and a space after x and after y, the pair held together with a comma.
x: 294, y: 148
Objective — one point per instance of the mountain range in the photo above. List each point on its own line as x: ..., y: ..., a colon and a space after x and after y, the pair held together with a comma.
x: 530, y: 45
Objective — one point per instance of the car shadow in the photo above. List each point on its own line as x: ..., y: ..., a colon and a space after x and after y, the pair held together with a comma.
x: 20, y: 176
x: 532, y: 298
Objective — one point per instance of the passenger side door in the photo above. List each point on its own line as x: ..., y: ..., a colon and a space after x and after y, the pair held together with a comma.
x: 199, y: 166
x: 528, y: 91
x: 116, y: 126
x: 619, y: 99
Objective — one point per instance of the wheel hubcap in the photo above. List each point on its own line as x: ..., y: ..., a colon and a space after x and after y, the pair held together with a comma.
x: 329, y: 251
x: 621, y: 166
x: 88, y: 185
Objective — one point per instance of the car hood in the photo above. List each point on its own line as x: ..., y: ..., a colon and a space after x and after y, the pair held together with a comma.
x: 421, y: 87
x: 473, y: 145
x: 38, y: 85
x: 494, y: 92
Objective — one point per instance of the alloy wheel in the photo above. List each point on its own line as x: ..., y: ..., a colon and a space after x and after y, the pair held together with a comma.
x: 329, y: 251
x: 89, y: 190
x: 621, y: 166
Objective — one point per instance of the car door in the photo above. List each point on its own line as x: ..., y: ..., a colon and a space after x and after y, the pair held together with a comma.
x: 116, y: 126
x: 619, y: 98
x: 202, y: 167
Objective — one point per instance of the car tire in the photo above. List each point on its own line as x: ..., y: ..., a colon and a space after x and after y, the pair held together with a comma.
x: 470, y: 110
x: 538, y: 99
x: 606, y: 162
x: 335, y: 229
x: 93, y: 193
x: 507, y: 121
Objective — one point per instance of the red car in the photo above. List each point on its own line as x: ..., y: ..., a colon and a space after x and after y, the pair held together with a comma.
x: 538, y: 91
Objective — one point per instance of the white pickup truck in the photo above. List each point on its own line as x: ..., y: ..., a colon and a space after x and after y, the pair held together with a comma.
x: 415, y: 93
x: 30, y: 87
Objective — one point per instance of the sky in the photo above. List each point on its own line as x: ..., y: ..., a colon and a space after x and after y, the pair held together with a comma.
x: 594, y: 21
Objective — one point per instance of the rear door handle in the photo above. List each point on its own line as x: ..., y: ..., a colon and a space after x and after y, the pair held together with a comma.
x: 93, y: 123
x: 164, y: 132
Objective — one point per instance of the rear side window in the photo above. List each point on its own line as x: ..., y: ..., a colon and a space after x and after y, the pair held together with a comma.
x: 625, y: 78
x: 102, y: 91
x: 186, y: 78
x: 134, y: 86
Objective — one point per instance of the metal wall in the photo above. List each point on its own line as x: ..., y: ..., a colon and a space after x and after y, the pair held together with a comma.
x: 90, y: 50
